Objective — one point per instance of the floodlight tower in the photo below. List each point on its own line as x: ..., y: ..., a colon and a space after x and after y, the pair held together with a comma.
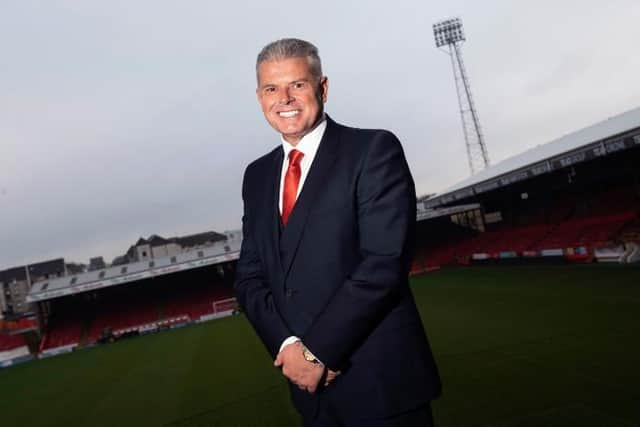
x: 450, y: 33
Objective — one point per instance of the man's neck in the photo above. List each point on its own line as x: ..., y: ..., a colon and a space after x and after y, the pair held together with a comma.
x: 296, y: 140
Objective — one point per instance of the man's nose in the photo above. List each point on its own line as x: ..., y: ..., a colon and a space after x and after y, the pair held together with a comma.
x: 285, y: 96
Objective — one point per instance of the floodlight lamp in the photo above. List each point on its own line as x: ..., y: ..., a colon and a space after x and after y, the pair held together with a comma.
x: 448, y: 32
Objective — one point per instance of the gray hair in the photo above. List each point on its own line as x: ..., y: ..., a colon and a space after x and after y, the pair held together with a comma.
x: 291, y: 48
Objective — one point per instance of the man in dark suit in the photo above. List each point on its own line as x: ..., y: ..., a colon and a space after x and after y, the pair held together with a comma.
x: 329, y: 222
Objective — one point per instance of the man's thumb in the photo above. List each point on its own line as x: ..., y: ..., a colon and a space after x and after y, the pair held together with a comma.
x: 278, y: 361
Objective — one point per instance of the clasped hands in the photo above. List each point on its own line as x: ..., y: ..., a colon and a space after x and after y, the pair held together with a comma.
x: 303, y: 373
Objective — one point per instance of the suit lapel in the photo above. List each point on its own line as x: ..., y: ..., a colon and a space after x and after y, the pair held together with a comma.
x: 272, y: 194
x: 317, y: 177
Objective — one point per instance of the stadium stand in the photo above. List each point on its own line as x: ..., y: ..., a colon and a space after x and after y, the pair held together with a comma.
x: 97, y: 306
x: 137, y: 307
x: 602, y: 224
x: 565, y: 200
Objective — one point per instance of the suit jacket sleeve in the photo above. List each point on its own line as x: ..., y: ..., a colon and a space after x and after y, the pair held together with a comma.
x: 252, y: 291
x: 386, y: 209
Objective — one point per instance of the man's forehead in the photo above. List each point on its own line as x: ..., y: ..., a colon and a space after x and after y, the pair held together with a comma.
x: 284, y: 70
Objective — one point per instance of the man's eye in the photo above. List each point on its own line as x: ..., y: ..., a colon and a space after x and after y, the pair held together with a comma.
x: 298, y: 85
x: 269, y: 89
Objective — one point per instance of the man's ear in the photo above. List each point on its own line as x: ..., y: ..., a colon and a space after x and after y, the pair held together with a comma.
x: 324, y: 88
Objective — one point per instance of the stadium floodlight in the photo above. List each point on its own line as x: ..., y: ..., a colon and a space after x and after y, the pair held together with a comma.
x: 450, y: 33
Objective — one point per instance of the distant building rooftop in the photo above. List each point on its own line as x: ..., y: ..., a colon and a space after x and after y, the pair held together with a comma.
x: 18, y: 274
x: 116, y: 275
x: 47, y: 268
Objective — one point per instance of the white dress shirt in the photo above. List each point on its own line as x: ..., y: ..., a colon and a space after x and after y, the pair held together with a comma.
x: 308, y: 145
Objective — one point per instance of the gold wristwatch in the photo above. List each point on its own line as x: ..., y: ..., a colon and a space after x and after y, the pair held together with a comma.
x: 308, y: 356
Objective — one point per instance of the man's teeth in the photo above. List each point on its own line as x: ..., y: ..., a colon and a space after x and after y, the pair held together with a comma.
x: 287, y: 114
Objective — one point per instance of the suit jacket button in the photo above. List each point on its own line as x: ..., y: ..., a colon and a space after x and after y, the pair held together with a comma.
x: 289, y: 293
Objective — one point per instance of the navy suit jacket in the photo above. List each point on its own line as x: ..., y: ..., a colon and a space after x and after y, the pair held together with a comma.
x: 337, y: 275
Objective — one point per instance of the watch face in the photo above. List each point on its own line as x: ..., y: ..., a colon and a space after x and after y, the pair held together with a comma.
x: 308, y: 356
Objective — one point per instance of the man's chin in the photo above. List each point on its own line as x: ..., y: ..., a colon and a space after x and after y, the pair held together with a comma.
x: 290, y: 128
x: 286, y: 128
x: 290, y: 132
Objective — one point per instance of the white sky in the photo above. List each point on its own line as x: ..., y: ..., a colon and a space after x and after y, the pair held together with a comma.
x: 122, y: 119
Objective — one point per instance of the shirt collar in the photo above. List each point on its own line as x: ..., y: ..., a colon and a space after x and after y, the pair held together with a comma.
x: 309, y: 143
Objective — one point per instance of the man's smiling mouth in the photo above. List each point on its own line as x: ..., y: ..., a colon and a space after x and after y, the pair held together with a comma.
x: 288, y: 114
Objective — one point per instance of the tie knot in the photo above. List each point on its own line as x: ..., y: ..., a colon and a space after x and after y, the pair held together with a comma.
x: 295, y: 157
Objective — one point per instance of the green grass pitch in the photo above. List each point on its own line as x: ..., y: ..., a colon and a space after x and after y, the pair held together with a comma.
x: 516, y: 346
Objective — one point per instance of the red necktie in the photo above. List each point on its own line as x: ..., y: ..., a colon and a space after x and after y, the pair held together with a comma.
x: 291, y: 182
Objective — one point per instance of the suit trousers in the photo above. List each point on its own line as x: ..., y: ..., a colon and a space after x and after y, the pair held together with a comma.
x: 330, y: 415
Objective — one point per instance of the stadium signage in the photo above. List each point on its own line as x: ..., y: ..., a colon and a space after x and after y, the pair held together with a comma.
x: 122, y: 279
x: 570, y: 160
x: 54, y: 294
x: 447, y: 199
x: 614, y: 146
x: 430, y: 204
x: 58, y: 350
x: 89, y: 287
x: 599, y: 151
x: 491, y: 185
x: 551, y: 252
x: 431, y: 213
x: 463, y: 194
x: 583, y: 154
x: 16, y: 361
x: 540, y: 168
x: 508, y: 254
x: 515, y: 177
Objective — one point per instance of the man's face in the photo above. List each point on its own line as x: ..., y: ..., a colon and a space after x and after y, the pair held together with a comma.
x: 291, y: 98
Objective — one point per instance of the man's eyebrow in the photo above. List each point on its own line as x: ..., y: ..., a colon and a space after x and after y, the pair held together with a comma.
x: 302, y: 79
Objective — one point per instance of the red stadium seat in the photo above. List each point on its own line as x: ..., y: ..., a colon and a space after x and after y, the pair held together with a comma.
x: 571, y: 223
x: 11, y: 342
